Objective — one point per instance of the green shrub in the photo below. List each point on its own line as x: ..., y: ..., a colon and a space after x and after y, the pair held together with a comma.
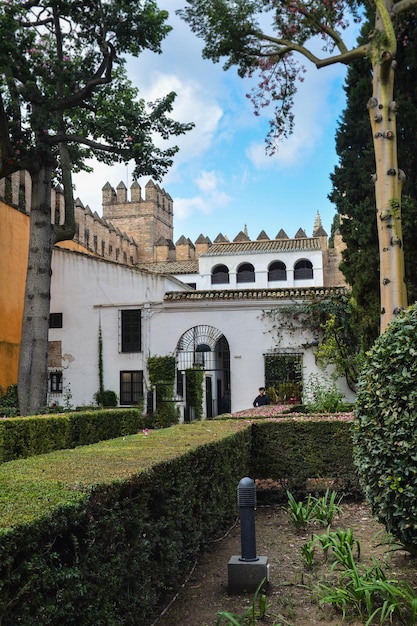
x: 9, y: 403
x: 162, y: 377
x: 322, y: 396
x: 285, y: 391
x: 166, y: 415
x: 22, y: 437
x: 385, y: 426
x: 106, y: 398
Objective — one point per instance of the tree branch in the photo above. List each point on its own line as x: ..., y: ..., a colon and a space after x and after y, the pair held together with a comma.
x: 337, y: 39
x: 94, y: 145
x: 290, y: 46
x: 402, y: 5
x: 98, y: 79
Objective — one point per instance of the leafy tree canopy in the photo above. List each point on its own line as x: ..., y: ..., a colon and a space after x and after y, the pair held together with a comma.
x: 64, y: 97
x: 272, y: 39
x: 64, y: 80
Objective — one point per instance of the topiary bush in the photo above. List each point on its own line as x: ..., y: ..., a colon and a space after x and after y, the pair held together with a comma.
x: 385, y: 452
x: 106, y: 398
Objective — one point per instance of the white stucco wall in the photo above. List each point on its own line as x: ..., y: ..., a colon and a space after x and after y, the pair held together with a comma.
x: 261, y: 262
x: 90, y: 292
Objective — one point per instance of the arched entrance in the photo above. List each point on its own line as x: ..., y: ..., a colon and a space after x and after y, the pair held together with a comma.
x: 207, y: 347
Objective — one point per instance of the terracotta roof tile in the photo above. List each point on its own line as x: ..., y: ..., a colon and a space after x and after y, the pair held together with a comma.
x: 283, y: 293
x: 171, y: 267
x: 266, y: 245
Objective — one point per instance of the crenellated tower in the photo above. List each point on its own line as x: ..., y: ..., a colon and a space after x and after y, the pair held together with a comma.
x: 145, y: 220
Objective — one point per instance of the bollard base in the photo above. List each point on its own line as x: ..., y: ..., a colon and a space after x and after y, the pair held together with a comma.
x: 246, y: 576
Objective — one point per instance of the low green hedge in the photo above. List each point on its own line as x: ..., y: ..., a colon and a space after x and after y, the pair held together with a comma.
x: 22, y: 437
x: 104, y: 535
x: 304, y: 455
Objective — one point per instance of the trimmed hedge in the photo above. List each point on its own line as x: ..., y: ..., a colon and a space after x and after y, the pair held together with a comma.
x: 304, y: 455
x: 385, y: 428
x: 22, y: 437
x: 105, y: 534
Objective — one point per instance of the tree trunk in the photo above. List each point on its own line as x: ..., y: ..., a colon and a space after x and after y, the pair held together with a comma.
x: 388, y: 186
x: 33, y: 361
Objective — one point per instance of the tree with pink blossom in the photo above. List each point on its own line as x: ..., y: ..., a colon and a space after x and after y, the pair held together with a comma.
x: 272, y: 39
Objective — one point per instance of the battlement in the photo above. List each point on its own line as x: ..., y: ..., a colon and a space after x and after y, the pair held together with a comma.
x: 145, y: 220
x: 92, y: 232
x: 139, y: 230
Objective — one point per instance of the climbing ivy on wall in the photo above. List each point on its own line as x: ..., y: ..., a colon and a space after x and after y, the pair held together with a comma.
x: 104, y: 397
x: 331, y: 322
x: 194, y: 390
x: 161, y: 371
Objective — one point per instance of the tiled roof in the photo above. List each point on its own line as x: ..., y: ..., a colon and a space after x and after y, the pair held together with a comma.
x: 171, y: 267
x: 278, y: 245
x: 292, y: 293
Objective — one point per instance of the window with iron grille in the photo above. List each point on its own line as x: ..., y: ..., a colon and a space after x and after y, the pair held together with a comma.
x: 220, y: 275
x: 131, y: 387
x: 284, y: 372
x: 55, y: 382
x: 245, y: 273
x: 130, y: 321
x: 277, y: 271
x: 303, y: 270
x: 55, y: 320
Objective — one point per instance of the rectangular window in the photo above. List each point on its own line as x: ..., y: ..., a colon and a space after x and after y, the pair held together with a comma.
x: 131, y: 387
x: 284, y: 372
x: 55, y: 382
x: 130, y: 320
x: 55, y: 320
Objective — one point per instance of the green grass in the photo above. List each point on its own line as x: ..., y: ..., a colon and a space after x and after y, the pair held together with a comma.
x: 30, y: 487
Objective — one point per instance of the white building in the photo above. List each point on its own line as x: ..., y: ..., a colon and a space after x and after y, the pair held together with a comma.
x: 141, y: 313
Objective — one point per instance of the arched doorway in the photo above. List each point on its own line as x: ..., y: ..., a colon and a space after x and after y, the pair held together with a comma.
x: 206, y: 346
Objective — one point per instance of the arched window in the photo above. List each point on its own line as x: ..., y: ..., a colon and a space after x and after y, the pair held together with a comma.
x: 245, y: 273
x: 303, y: 270
x: 277, y: 271
x: 199, y: 354
x: 220, y: 275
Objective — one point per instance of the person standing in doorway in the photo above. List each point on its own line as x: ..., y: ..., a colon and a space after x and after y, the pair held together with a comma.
x: 262, y: 399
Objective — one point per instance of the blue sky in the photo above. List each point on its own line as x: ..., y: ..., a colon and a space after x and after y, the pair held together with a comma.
x: 222, y: 179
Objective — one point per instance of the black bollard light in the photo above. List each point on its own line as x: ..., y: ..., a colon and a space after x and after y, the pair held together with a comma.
x: 246, y: 501
x: 247, y: 571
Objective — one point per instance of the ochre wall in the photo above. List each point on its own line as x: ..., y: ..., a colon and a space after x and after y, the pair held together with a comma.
x: 14, y: 239
x: 14, y: 242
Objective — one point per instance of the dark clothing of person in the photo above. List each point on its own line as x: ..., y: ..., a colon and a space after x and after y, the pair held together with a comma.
x: 261, y: 400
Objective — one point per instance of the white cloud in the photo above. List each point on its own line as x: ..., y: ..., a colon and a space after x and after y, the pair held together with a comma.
x: 207, y: 181
x: 185, y: 207
x: 191, y: 105
x: 212, y: 198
